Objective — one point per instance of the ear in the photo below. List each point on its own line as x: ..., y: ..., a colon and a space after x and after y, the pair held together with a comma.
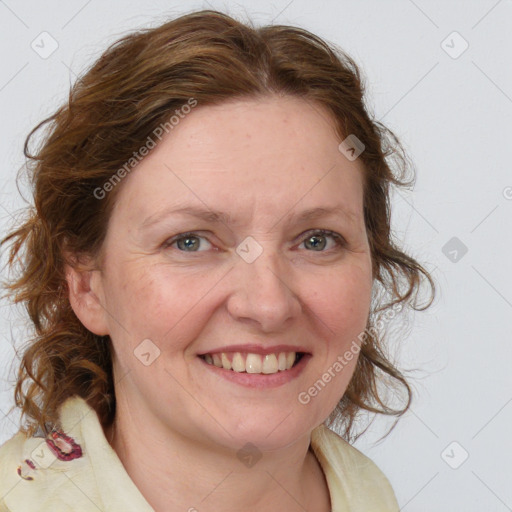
x: 85, y: 288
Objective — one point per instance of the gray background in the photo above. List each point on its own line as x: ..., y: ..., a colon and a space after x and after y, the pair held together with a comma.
x: 452, y: 110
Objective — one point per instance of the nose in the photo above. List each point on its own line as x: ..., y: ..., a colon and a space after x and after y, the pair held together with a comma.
x: 263, y: 293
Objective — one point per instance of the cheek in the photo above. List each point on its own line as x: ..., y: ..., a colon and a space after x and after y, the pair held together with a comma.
x: 153, y: 303
x: 342, y: 301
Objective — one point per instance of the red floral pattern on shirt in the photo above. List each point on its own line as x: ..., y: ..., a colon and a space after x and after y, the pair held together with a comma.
x: 61, y: 445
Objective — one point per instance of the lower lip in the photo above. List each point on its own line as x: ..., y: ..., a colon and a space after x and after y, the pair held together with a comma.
x: 260, y: 380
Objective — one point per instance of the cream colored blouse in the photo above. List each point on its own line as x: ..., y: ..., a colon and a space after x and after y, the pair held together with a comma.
x: 76, y: 470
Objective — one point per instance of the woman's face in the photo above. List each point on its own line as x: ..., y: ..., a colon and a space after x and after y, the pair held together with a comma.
x: 258, y: 278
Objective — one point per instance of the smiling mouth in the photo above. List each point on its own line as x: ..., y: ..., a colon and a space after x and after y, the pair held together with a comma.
x: 244, y: 362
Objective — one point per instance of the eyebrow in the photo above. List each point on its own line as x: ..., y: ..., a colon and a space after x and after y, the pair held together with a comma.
x: 217, y: 217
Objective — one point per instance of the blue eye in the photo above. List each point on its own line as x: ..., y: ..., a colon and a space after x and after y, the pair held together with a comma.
x: 314, y: 238
x: 186, y: 241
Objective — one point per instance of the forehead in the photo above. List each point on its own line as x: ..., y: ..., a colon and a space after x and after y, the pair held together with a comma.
x: 246, y: 157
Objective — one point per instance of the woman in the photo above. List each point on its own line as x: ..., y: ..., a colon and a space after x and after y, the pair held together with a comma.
x: 209, y: 238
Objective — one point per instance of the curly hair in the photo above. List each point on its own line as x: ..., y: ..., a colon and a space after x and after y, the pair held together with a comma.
x: 112, y: 109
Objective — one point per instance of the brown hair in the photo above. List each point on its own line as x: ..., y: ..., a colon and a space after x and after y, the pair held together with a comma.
x: 112, y: 110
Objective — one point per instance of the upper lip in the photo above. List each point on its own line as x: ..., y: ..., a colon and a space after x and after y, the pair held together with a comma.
x: 256, y: 349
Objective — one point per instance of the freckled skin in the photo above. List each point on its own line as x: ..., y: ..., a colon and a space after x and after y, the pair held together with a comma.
x: 259, y: 161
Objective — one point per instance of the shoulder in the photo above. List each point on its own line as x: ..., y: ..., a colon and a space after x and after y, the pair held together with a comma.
x: 35, y: 474
x: 10, y: 457
x: 355, y: 482
x: 72, y: 469
x: 17, y: 462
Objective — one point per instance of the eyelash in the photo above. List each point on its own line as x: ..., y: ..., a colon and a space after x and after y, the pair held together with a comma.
x: 340, y: 241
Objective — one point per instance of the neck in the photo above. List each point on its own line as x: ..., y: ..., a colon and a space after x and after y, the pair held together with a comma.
x: 174, y: 472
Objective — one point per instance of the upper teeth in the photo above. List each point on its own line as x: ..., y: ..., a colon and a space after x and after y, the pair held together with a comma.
x: 252, y: 363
